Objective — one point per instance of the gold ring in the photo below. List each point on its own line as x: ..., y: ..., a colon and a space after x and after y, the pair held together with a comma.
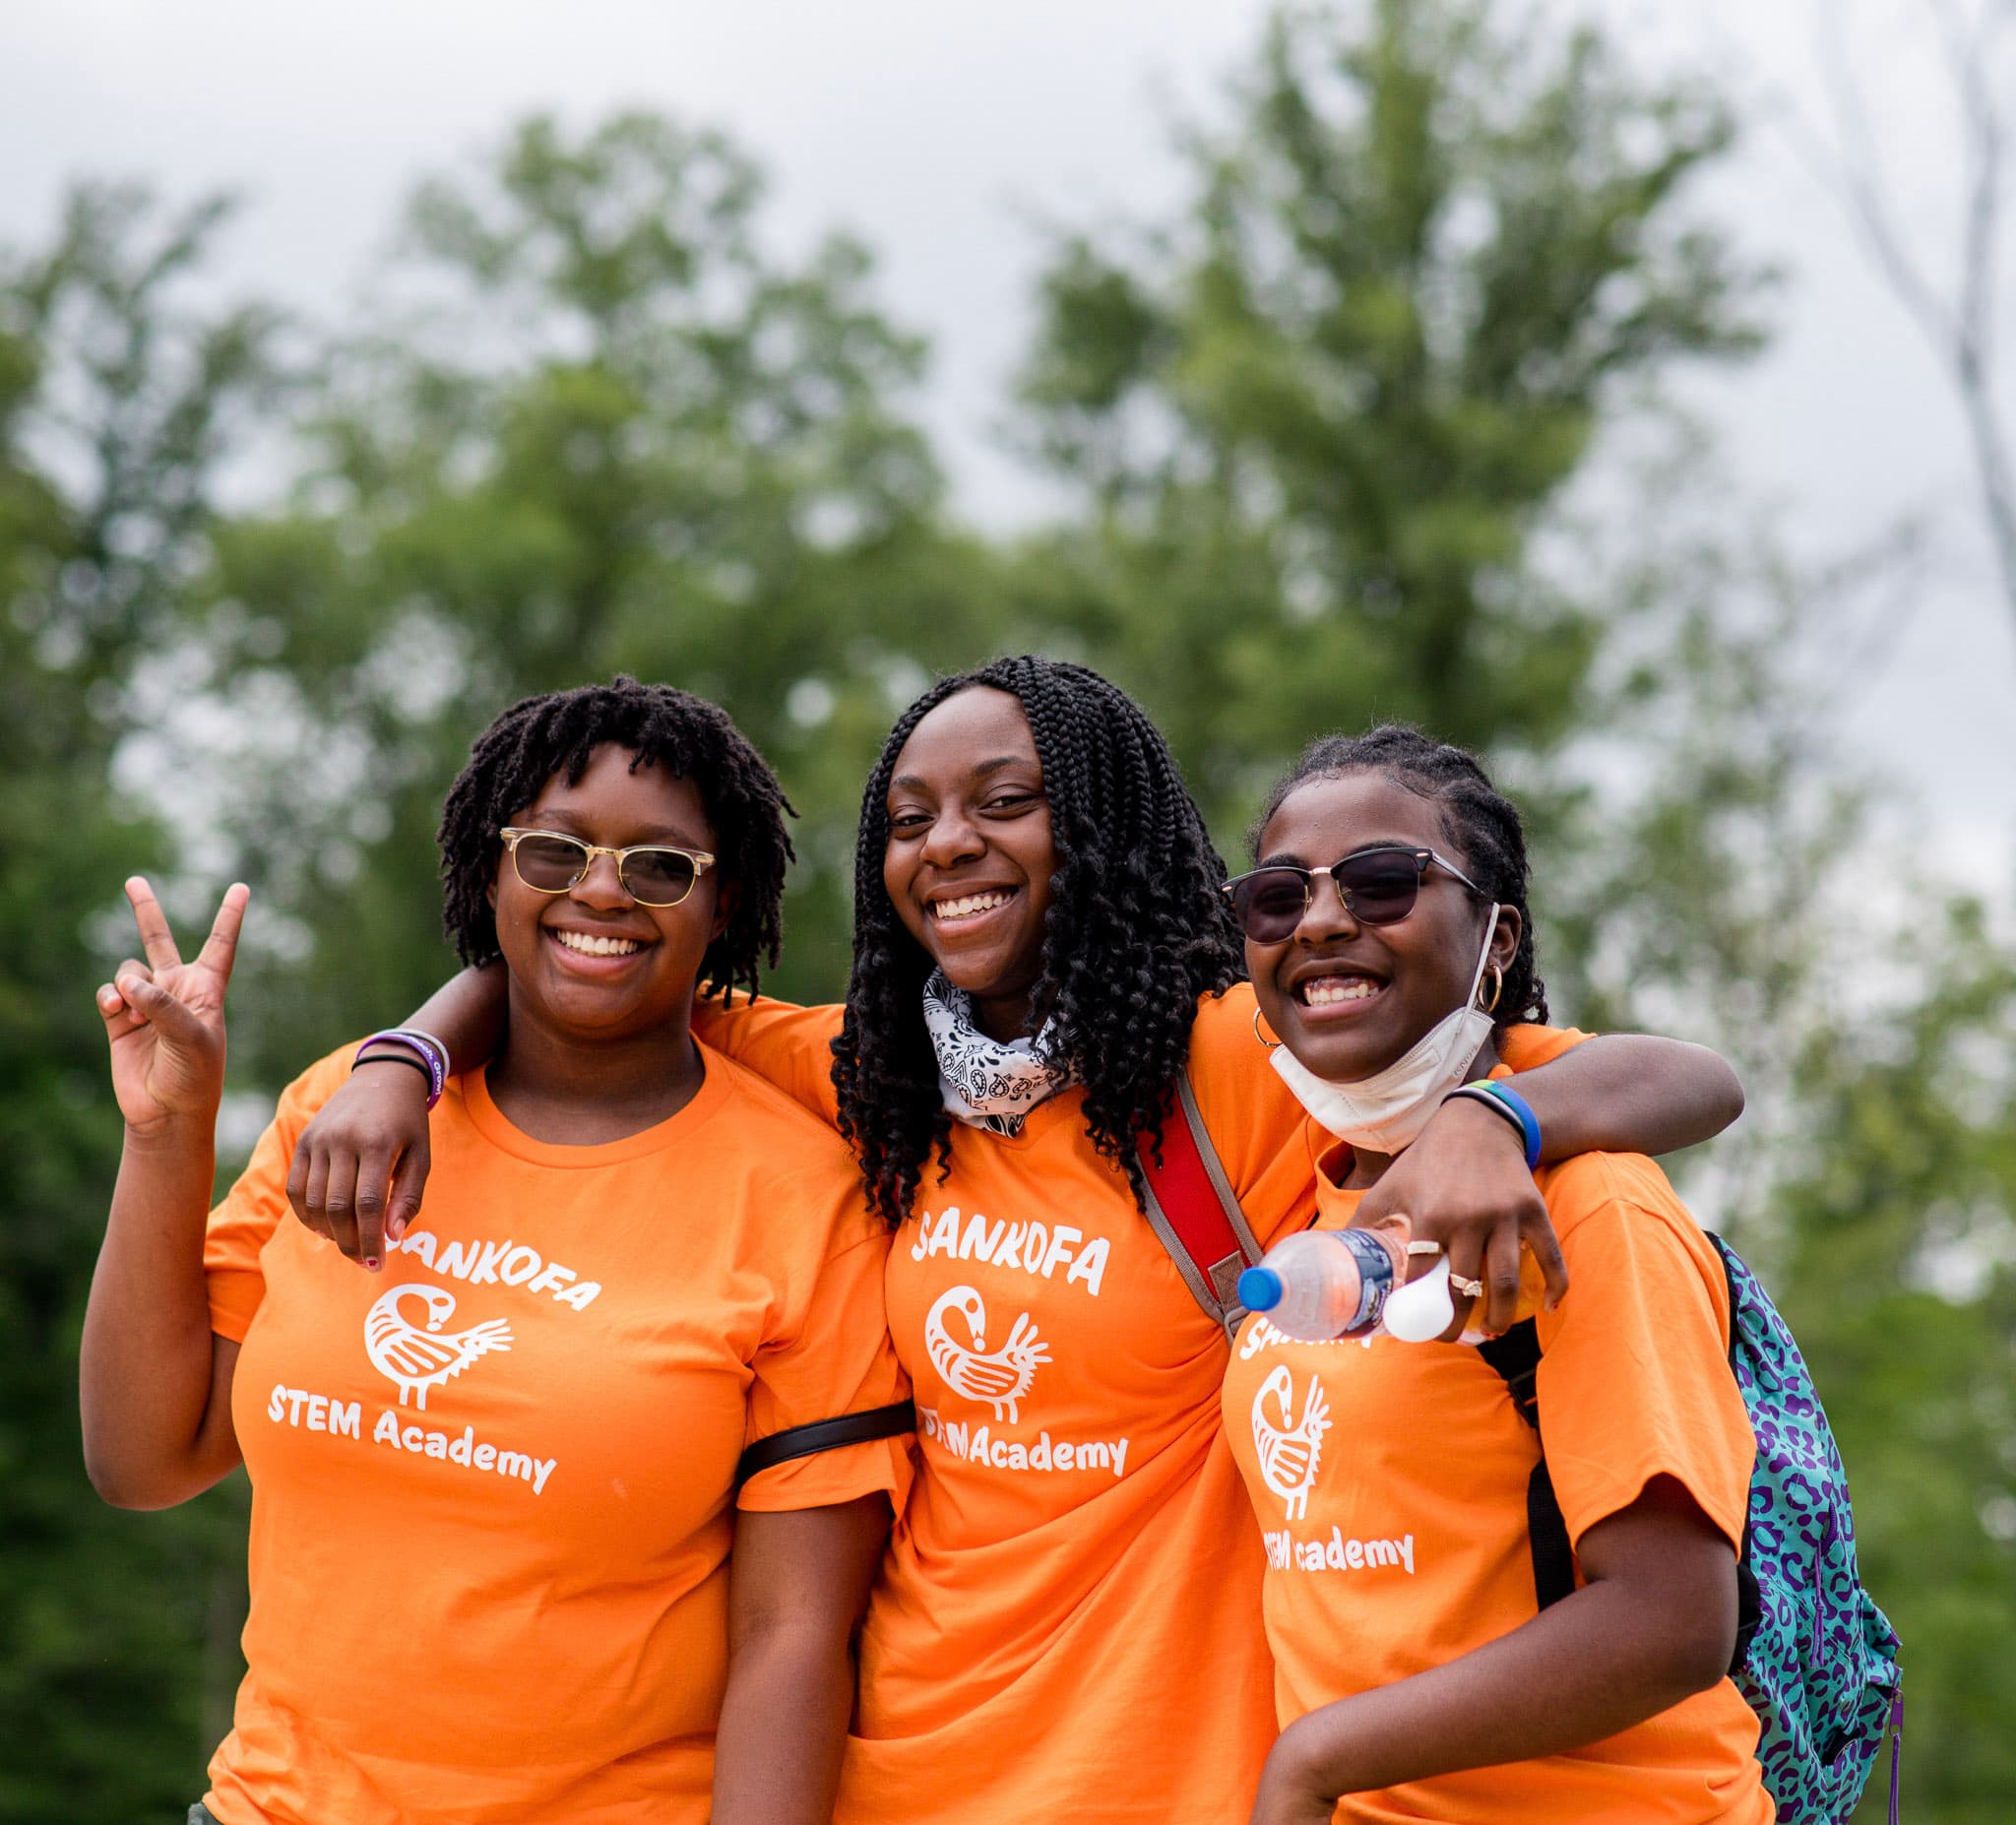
x: 1425, y: 1248
x: 1470, y: 1289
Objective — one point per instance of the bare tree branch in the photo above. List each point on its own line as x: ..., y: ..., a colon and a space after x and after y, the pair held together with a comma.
x: 1960, y: 327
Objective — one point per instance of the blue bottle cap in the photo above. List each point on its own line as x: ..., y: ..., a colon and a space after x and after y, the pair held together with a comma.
x: 1260, y: 1288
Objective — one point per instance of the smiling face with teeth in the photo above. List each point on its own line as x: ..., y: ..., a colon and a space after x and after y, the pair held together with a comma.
x: 969, y: 855
x: 593, y: 963
x: 1351, y: 999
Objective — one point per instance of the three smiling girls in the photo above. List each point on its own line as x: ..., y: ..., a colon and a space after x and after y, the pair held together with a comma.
x: 1076, y: 1610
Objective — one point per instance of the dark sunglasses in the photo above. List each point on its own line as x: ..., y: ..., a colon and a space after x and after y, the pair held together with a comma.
x: 653, y: 874
x: 1378, y: 887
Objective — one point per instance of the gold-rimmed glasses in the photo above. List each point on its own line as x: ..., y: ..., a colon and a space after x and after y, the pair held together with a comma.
x: 654, y: 874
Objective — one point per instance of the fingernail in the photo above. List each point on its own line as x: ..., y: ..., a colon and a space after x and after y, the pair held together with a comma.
x: 372, y: 1262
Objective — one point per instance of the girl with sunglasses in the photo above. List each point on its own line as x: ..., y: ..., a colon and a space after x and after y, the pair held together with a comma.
x: 1416, y: 1680
x: 495, y: 1481
x: 1067, y: 1619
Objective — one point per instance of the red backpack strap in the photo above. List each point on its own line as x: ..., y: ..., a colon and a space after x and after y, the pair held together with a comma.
x: 1192, y: 1209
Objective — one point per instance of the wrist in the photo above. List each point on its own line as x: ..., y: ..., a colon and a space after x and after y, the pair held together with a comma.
x: 408, y: 1045
x: 177, y: 1132
x: 1511, y: 1109
x: 1307, y: 1762
x: 412, y: 1073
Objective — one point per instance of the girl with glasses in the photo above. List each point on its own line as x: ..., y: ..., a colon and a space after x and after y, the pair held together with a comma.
x: 495, y: 1478
x: 1417, y: 1677
x: 1067, y: 1619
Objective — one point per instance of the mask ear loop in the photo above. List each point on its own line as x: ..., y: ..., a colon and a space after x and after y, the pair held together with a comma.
x: 1483, y: 959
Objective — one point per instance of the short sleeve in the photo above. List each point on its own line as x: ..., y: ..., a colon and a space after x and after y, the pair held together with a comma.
x: 1526, y: 1047
x: 257, y: 1204
x: 1634, y: 1377
x: 838, y: 1360
x: 781, y: 1043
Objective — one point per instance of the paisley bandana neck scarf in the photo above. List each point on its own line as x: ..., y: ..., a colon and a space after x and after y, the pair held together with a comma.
x: 982, y: 1081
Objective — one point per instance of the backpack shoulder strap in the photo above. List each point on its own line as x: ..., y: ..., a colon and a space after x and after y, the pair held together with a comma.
x: 1192, y: 1210
x: 1516, y: 1358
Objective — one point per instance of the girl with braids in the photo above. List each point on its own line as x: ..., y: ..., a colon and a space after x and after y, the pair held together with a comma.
x: 1415, y: 1679
x: 1067, y: 1619
x: 495, y: 1478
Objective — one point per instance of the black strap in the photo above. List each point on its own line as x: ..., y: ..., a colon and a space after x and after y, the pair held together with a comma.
x: 1516, y: 1358
x: 1750, y: 1598
x: 802, y: 1441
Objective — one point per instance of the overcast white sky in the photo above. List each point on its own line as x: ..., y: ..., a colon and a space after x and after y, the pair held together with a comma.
x: 937, y: 132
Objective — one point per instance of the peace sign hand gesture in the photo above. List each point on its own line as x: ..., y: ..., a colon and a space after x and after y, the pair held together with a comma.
x: 165, y: 1018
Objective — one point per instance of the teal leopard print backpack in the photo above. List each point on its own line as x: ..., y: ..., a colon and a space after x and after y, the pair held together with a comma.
x: 1815, y: 1658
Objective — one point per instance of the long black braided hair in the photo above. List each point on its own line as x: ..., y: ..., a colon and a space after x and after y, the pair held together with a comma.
x: 1482, y: 824
x: 691, y: 739
x: 1137, y: 931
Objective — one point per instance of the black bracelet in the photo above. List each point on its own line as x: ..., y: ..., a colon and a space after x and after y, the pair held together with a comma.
x: 406, y: 1058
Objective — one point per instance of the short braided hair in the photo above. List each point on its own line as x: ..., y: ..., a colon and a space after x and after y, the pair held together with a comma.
x: 1137, y: 931
x: 1482, y: 824
x: 556, y: 733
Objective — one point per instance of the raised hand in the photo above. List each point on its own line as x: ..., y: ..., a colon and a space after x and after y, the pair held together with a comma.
x: 164, y: 1019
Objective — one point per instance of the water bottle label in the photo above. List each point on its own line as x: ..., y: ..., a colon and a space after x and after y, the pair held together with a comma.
x: 1375, y: 1272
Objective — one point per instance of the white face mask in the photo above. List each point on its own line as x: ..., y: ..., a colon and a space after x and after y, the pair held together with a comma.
x: 1385, y: 1111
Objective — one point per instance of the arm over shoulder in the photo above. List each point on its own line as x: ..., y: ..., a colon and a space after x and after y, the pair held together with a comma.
x: 788, y: 1045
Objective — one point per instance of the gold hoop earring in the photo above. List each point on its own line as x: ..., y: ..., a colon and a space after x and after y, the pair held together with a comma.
x: 1497, y: 988
x: 1266, y: 1044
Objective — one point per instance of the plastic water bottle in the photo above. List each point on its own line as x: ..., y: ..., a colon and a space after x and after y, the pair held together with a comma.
x: 1320, y: 1283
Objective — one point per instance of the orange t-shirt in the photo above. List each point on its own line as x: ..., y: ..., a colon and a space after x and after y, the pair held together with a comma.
x: 1390, y: 1479
x: 491, y: 1484
x: 1067, y: 1622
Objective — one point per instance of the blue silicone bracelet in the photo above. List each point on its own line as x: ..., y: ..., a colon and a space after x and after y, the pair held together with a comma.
x: 1510, y: 1099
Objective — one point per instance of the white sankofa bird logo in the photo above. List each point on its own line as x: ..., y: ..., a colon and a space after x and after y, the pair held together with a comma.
x: 1000, y: 1377
x: 1290, y: 1453
x: 419, y: 1359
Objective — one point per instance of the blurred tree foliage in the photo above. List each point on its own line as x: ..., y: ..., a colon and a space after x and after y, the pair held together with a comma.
x: 1321, y: 435
x: 600, y: 427
x: 116, y: 400
x: 1732, y: 881
x: 1431, y: 258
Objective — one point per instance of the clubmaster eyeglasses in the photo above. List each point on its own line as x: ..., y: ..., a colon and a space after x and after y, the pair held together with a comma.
x: 654, y: 874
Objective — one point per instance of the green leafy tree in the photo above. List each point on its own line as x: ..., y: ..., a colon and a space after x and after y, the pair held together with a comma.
x: 601, y: 428
x: 120, y: 1628
x: 1319, y: 417
x: 1898, y: 1228
x: 1730, y: 877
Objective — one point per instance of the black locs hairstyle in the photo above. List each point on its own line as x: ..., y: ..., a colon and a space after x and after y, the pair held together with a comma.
x: 1482, y: 822
x: 1137, y: 931
x: 691, y: 739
